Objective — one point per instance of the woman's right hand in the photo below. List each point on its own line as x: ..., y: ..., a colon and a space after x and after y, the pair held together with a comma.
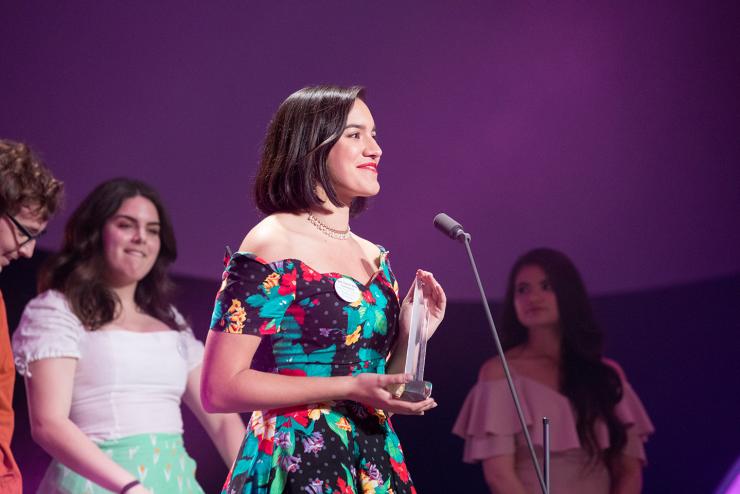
x: 372, y: 390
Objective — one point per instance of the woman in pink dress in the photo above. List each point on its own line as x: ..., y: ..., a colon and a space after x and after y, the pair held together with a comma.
x: 554, y: 350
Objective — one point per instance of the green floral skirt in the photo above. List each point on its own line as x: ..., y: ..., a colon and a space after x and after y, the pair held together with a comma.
x: 159, y: 461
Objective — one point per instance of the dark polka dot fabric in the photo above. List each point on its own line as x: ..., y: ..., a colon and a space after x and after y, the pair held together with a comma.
x: 312, y: 326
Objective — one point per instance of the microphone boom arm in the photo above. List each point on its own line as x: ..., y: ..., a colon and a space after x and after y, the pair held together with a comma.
x: 466, y: 240
x: 455, y: 231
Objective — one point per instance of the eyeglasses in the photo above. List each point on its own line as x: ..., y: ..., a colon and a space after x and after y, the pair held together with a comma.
x: 24, y: 231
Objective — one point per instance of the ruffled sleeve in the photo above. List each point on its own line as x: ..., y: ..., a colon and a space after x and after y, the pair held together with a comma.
x: 489, y: 424
x: 634, y: 416
x: 48, y: 329
x: 191, y: 347
x: 488, y: 421
x: 255, y: 296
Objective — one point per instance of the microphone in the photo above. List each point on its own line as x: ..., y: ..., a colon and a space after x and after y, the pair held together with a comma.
x: 454, y: 230
x: 450, y: 227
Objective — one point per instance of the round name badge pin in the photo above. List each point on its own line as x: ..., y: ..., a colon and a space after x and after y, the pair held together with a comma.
x: 346, y: 289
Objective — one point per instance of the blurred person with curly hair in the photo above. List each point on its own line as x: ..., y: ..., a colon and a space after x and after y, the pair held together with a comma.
x: 29, y: 196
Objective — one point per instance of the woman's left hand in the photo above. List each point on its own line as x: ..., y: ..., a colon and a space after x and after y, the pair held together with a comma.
x: 436, y: 303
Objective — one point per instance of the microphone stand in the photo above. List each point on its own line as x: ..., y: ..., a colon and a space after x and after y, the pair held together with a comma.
x: 544, y: 480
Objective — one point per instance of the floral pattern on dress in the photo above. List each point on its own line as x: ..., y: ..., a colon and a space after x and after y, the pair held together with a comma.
x: 339, y: 447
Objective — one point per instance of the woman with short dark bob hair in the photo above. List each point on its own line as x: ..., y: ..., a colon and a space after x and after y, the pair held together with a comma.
x: 108, y: 359
x: 296, y: 147
x: 307, y: 331
x: 555, y: 351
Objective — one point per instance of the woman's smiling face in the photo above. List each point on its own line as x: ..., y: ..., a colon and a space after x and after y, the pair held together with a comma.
x: 535, y: 301
x: 353, y: 160
x: 131, y: 241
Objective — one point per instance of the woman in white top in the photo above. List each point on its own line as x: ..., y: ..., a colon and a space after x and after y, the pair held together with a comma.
x: 107, y: 359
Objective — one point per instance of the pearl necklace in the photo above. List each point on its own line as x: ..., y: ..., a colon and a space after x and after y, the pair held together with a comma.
x: 329, y: 232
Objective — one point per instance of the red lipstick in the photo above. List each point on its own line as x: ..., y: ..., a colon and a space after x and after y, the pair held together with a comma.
x: 370, y: 166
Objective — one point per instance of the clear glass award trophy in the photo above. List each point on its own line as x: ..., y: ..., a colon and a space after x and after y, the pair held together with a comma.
x: 417, y: 389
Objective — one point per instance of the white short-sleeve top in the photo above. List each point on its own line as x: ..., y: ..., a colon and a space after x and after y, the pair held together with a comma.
x: 125, y: 382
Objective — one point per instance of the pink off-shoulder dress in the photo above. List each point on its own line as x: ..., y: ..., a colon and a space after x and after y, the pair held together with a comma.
x: 489, y: 424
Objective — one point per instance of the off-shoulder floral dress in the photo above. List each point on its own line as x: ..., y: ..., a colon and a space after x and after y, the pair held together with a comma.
x: 308, y: 329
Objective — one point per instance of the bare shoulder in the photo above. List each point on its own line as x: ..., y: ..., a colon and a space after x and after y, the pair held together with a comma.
x: 614, y: 365
x: 492, y: 369
x: 268, y: 238
x: 370, y: 249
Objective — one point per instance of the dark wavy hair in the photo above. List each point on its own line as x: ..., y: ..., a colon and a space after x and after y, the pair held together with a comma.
x: 77, y: 269
x: 593, y: 387
x: 300, y: 135
x: 26, y: 181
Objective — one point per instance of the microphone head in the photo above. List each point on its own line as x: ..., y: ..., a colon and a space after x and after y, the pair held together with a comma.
x: 448, y: 226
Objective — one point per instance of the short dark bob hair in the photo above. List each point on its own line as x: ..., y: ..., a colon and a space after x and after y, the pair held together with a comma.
x: 302, y: 132
x: 77, y: 269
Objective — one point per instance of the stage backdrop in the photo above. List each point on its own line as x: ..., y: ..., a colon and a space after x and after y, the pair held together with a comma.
x: 678, y: 346
x: 606, y: 129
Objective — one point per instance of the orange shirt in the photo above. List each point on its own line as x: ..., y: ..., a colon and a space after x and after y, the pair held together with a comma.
x: 10, y: 476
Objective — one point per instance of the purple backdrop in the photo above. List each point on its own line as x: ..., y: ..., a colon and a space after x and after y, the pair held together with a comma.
x: 607, y: 131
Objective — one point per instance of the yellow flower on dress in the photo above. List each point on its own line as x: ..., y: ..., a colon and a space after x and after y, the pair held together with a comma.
x: 237, y: 316
x: 343, y: 424
x: 353, y: 337
x: 263, y: 428
x: 368, y: 484
x: 382, y: 417
x: 271, y: 281
x: 321, y: 408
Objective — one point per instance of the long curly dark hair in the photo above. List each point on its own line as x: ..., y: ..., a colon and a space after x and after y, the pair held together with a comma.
x: 77, y: 269
x: 593, y: 387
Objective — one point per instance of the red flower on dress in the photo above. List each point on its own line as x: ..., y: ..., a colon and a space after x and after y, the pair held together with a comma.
x: 263, y: 428
x: 292, y: 372
x: 298, y: 313
x: 264, y: 330
x: 368, y: 296
x: 266, y: 446
x: 401, y: 470
x: 343, y: 487
x: 288, y: 283
x: 309, y: 274
x: 297, y: 413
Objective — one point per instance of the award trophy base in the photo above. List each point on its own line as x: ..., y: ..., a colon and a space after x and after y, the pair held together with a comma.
x: 416, y: 391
